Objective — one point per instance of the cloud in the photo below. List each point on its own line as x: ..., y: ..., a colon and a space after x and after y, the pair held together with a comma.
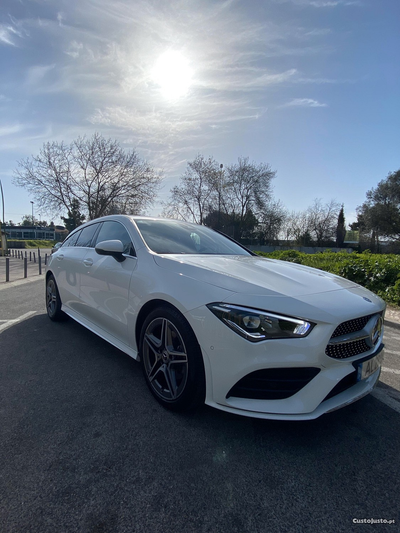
x: 13, y: 136
x: 74, y: 49
x: 322, y: 3
x: 36, y: 74
x: 266, y: 79
x: 60, y: 18
x: 8, y: 34
x: 317, y: 32
x: 5, y: 131
x: 323, y: 81
x: 101, y: 63
x: 304, y: 102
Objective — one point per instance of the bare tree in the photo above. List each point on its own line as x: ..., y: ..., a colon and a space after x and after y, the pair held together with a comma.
x: 323, y: 220
x: 96, y: 172
x: 248, y: 187
x: 234, y: 199
x: 197, y: 192
x: 296, y: 227
x: 272, y: 221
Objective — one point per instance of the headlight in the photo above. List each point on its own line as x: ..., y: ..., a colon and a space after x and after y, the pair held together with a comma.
x: 255, y: 325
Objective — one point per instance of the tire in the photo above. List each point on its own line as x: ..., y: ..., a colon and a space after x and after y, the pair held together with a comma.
x: 53, y: 301
x: 171, y: 360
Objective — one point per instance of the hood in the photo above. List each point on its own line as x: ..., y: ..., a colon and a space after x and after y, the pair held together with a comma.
x: 254, y: 275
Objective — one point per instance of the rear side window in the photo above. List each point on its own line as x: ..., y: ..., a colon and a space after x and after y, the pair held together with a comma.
x: 87, y: 234
x: 110, y: 231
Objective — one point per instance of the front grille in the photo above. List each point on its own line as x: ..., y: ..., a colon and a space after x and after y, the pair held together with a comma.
x: 356, y: 338
x: 273, y: 383
x: 348, y: 349
x: 357, y: 324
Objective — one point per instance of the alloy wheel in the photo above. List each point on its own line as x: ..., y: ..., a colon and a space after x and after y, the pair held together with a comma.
x: 165, y: 359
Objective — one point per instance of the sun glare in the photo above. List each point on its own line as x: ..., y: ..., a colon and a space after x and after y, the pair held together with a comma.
x: 173, y: 74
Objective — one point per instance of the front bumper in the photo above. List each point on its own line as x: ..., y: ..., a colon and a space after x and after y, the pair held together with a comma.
x: 229, y: 358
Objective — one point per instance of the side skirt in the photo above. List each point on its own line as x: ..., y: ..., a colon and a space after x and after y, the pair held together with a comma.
x: 101, y: 333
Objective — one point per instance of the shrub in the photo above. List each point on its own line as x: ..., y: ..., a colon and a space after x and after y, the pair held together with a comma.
x: 380, y: 273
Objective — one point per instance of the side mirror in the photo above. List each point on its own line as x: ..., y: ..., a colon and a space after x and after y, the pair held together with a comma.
x: 114, y: 248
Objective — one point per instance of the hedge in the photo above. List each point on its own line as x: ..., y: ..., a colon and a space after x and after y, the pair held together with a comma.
x: 380, y: 273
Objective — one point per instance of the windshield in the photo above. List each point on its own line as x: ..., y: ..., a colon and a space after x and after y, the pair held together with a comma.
x: 177, y: 237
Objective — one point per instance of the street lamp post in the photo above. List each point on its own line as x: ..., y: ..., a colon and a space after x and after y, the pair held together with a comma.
x: 33, y: 223
x: 221, y: 171
x: 2, y: 201
x: 3, y: 237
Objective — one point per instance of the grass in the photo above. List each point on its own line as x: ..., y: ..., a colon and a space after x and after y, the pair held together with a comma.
x: 39, y: 244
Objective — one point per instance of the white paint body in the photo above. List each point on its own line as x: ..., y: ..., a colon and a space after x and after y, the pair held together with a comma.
x: 106, y: 296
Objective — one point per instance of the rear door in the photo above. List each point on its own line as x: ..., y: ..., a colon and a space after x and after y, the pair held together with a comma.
x: 67, y: 265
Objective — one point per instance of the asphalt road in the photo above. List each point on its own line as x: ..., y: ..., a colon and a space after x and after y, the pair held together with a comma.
x: 85, y: 447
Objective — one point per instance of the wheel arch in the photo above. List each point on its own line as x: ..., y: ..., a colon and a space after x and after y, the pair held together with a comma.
x: 196, y: 388
x: 48, y: 274
x: 147, y: 308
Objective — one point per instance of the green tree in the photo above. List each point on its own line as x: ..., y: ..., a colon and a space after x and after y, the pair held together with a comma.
x: 340, y: 229
x: 27, y: 220
x: 379, y: 215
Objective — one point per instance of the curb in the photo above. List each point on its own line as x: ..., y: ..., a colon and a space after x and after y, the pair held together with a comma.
x: 392, y: 324
x: 392, y: 316
x: 17, y: 282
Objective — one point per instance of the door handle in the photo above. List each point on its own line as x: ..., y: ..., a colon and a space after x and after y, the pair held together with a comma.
x: 88, y: 262
x: 60, y: 257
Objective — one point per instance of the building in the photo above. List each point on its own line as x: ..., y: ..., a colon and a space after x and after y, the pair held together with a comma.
x: 17, y: 233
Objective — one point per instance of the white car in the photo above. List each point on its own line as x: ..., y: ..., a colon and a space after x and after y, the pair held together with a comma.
x: 212, y: 322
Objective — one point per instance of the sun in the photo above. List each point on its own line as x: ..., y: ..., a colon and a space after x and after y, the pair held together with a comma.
x: 173, y: 74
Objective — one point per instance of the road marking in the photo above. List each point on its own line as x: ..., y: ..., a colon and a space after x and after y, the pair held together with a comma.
x: 395, y: 337
x: 391, y: 370
x: 391, y: 352
x: 12, y: 322
x: 385, y: 397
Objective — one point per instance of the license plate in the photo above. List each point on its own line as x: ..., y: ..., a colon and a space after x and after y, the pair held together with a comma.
x: 367, y: 368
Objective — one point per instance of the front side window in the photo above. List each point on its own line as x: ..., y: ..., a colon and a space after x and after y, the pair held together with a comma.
x: 86, y: 237
x: 111, y: 231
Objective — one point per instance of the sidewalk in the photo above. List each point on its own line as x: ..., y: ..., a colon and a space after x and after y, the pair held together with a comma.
x: 392, y: 316
x: 17, y: 267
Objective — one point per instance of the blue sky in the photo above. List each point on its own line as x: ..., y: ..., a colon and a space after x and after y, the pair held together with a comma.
x: 309, y: 86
